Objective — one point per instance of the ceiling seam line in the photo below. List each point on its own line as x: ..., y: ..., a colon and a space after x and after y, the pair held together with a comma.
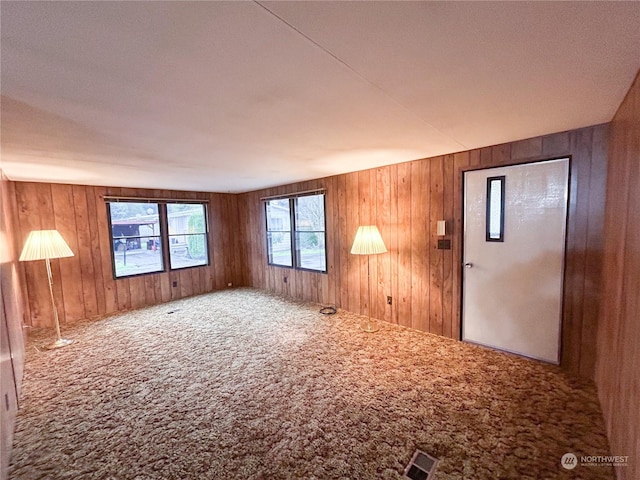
x: 358, y: 74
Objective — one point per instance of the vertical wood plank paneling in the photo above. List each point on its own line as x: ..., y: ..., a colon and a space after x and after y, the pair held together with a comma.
x: 474, y: 158
x: 419, y: 245
x: 45, y: 209
x: 85, y: 251
x: 447, y: 255
x: 84, y: 284
x: 18, y: 234
x: 65, y: 222
x: 329, y: 296
x: 461, y: 163
x: 436, y: 269
x: 406, y: 199
x: 486, y: 157
x: 109, y: 284
x: 579, y: 209
x: 29, y: 218
x: 343, y: 285
x: 354, y: 261
x: 403, y: 295
x: 526, y: 149
x: 149, y: 290
x: 501, y: 154
x: 123, y: 295
x: 96, y: 253
x: 392, y: 231
x: 383, y: 221
x: 216, y: 237
x: 364, y: 211
x: 593, y: 251
x: 232, y: 245
x: 618, y: 347
x: 557, y: 144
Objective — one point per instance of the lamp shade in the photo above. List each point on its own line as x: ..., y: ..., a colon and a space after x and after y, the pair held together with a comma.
x: 368, y: 241
x: 43, y: 244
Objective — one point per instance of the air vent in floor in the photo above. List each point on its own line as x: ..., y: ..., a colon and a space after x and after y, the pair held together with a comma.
x: 421, y: 467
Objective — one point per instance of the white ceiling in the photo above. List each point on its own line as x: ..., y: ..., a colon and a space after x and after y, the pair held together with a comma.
x: 236, y: 96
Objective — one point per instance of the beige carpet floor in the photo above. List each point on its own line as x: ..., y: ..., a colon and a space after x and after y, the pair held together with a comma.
x: 239, y: 384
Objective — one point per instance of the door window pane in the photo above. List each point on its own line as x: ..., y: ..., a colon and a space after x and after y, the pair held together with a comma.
x: 495, y: 209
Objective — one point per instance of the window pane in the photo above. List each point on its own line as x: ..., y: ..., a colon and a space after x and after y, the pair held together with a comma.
x: 187, y: 235
x: 278, y: 215
x: 186, y: 218
x: 279, y: 248
x: 310, y: 213
x: 135, y: 231
x: 495, y: 209
x: 188, y: 250
x: 311, y: 250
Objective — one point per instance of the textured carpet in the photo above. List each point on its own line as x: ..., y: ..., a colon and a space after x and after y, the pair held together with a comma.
x: 239, y: 384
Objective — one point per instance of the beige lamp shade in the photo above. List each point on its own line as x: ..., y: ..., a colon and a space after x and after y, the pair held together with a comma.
x: 42, y: 244
x: 368, y: 241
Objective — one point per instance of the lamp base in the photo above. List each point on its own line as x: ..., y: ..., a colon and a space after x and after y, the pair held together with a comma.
x: 62, y: 342
x: 369, y: 326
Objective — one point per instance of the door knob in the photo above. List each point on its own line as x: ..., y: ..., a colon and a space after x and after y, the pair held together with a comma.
x: 468, y: 265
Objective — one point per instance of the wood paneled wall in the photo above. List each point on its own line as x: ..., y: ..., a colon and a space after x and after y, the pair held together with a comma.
x: 84, y: 284
x: 405, y: 201
x: 618, y: 358
x: 11, y: 320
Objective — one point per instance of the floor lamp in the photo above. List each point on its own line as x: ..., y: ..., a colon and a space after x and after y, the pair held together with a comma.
x: 44, y: 245
x: 368, y: 242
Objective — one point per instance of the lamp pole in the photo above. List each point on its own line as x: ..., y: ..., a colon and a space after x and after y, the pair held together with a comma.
x: 370, y: 328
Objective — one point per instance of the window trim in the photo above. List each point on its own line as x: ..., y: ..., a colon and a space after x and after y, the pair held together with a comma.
x: 163, y: 234
x: 295, y: 251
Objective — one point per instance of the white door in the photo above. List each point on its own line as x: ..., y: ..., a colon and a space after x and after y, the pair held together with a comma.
x: 514, y: 237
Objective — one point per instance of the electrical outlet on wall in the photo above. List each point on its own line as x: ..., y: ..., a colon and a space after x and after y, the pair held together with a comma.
x: 389, y: 300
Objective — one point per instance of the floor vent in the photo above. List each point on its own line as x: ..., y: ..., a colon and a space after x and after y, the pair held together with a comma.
x: 421, y: 467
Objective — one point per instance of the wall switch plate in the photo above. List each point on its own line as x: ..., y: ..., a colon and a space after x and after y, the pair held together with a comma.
x: 285, y: 279
x: 229, y: 284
